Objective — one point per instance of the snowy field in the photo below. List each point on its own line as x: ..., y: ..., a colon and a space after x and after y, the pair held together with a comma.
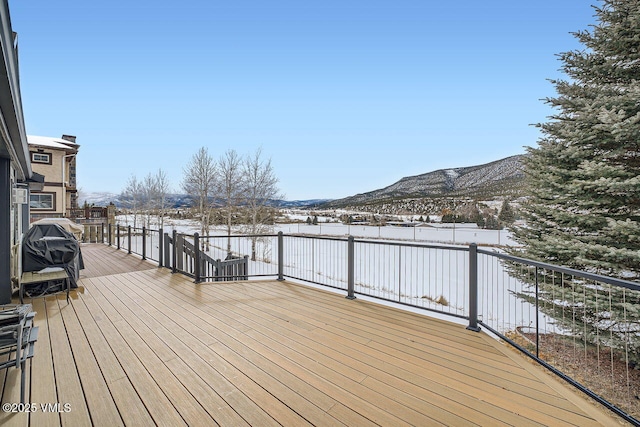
x: 432, y: 233
x: 461, y: 234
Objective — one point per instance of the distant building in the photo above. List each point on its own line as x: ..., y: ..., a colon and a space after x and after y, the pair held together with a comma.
x: 55, y: 158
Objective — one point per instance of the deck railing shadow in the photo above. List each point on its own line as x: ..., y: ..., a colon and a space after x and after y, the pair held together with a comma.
x: 581, y: 326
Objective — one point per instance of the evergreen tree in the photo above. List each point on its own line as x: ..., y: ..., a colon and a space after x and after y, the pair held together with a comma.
x: 492, y: 223
x: 507, y: 215
x: 476, y: 217
x: 584, y: 179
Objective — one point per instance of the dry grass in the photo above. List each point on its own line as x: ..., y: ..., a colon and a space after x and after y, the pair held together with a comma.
x: 598, y: 369
x: 440, y: 300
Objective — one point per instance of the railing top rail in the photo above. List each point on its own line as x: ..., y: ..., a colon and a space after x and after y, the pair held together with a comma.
x: 566, y: 270
x: 311, y: 236
x: 184, y: 234
x: 233, y: 235
x: 413, y: 245
x: 381, y: 242
x: 139, y: 228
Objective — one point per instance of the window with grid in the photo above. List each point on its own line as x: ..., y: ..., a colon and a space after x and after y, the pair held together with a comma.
x: 41, y: 201
x: 41, y: 158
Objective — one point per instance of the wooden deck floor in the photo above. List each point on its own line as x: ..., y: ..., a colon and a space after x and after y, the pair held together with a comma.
x: 139, y: 346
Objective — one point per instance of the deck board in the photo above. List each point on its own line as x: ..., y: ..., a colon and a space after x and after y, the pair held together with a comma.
x: 129, y: 405
x: 389, y: 367
x: 152, y: 396
x: 138, y: 345
x: 44, y: 390
x: 68, y: 385
x: 99, y: 401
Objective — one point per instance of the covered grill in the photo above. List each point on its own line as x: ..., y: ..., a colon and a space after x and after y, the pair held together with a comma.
x: 50, y: 246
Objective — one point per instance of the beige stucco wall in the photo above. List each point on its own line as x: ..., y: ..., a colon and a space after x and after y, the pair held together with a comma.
x: 53, y: 175
x: 52, y: 172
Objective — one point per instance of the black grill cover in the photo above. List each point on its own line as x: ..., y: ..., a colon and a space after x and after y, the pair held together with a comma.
x: 50, y: 245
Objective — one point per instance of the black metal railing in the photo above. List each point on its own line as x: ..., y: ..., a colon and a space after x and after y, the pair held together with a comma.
x: 576, y: 324
x: 142, y: 241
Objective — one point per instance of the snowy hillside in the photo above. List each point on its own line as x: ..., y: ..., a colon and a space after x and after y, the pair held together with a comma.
x: 484, y: 182
x: 104, y: 198
x: 98, y: 198
x: 490, y: 179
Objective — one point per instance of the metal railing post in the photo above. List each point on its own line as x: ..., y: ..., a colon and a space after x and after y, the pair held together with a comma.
x: 144, y: 242
x: 129, y: 238
x: 245, y: 268
x: 351, y: 268
x: 160, y: 246
x: 537, y: 316
x: 167, y: 250
x: 473, y: 288
x: 118, y: 236
x: 110, y: 233
x: 280, y: 256
x: 399, y: 273
x: 174, y: 252
x: 196, y: 257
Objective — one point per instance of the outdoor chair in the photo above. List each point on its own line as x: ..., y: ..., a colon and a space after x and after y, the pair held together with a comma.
x: 17, y: 339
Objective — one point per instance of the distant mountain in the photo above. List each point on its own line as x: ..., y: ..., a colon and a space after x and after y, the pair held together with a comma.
x: 483, y: 182
x: 183, y: 200
x: 98, y: 198
x: 104, y: 198
x: 497, y: 178
x: 301, y: 203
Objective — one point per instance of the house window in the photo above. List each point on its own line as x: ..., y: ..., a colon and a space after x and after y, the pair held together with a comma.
x: 41, y: 158
x: 42, y: 201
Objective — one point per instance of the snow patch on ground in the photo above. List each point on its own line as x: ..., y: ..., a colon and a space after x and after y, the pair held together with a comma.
x: 451, y: 173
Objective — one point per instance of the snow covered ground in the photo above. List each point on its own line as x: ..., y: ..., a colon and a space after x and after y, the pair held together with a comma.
x: 460, y: 234
x: 432, y: 233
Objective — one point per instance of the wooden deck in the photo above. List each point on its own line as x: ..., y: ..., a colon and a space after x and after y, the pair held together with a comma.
x: 139, y: 346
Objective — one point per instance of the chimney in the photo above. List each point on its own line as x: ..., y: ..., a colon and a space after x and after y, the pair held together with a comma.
x: 69, y: 138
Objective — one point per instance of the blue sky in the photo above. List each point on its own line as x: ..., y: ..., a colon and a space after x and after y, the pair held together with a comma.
x: 345, y: 96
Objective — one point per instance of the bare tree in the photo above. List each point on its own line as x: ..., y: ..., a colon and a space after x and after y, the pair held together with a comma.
x: 230, y: 187
x: 133, y: 195
x: 260, y: 188
x: 199, y: 181
x: 162, y: 188
x: 149, y: 196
